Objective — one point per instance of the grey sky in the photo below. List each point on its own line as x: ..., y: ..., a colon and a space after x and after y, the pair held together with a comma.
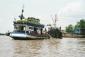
x: 68, y: 11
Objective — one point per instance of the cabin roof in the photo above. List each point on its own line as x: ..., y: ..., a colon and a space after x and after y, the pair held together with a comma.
x: 29, y: 24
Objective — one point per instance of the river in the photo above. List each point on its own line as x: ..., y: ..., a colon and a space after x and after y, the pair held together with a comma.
x: 66, y: 47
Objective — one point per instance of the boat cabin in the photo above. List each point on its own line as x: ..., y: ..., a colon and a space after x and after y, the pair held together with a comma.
x: 30, y: 26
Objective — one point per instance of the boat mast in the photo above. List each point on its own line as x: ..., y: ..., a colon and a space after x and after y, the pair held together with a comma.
x: 21, y: 16
x: 54, y: 20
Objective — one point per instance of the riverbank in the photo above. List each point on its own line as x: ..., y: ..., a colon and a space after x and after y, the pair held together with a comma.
x: 73, y: 35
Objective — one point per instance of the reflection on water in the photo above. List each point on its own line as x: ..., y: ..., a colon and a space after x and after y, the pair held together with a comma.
x: 66, y: 47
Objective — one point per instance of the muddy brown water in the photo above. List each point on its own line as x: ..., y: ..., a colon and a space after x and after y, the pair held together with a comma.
x: 66, y: 47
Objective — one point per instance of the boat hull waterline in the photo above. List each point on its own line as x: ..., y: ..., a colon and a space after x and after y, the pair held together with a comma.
x: 24, y: 36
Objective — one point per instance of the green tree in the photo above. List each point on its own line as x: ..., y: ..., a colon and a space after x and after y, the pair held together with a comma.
x: 55, y: 32
x: 81, y: 26
x: 82, y: 23
x: 69, y: 29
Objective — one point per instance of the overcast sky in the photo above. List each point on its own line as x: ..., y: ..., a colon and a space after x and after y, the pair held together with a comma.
x: 68, y: 11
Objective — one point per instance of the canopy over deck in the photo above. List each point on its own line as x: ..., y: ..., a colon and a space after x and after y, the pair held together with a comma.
x: 29, y: 24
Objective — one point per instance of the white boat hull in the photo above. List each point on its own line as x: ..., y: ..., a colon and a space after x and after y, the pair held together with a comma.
x: 19, y: 35
x: 23, y: 36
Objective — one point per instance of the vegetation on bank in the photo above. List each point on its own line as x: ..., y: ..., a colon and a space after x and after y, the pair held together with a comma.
x: 79, y: 28
x: 55, y: 33
x: 2, y: 34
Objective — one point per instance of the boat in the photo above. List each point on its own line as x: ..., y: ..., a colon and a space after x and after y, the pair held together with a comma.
x: 28, y: 28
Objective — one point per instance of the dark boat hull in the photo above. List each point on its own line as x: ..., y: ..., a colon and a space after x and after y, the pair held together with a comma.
x: 19, y: 38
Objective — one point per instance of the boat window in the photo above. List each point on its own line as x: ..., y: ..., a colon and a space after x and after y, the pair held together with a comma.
x: 30, y: 27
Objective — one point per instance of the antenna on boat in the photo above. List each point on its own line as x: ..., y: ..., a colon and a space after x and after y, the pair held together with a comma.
x: 21, y: 16
x: 54, y: 20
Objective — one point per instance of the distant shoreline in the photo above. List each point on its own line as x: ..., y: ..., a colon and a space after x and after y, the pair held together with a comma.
x: 73, y: 35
